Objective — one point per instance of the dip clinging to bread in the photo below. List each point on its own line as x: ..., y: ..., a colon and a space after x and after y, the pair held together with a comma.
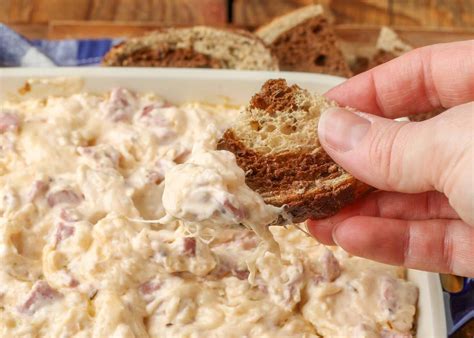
x: 275, y: 142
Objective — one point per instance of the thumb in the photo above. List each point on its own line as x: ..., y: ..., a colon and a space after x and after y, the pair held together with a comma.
x: 392, y: 155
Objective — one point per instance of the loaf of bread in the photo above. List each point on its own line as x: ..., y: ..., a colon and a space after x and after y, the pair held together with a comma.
x: 304, y: 40
x: 195, y: 47
x: 275, y: 142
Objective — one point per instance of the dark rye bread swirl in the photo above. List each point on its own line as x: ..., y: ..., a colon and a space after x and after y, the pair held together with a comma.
x: 194, y: 47
x: 275, y: 142
x: 304, y: 40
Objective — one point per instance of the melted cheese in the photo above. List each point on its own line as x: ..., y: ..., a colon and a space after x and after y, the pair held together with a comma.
x: 77, y: 176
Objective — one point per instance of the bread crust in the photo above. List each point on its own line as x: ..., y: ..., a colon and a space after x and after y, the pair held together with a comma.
x: 262, y: 175
x: 311, y: 46
x: 295, y: 179
x: 147, y: 51
x: 308, y: 44
x: 269, y: 32
x: 161, y: 57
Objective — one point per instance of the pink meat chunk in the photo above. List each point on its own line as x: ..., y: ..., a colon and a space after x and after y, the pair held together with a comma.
x: 41, y: 294
x: 38, y: 189
x: 68, y: 216
x: 119, y: 106
x: 331, y: 269
x: 63, y: 196
x: 149, y: 287
x: 8, y: 122
x: 238, y: 213
x: 63, y: 231
x: 189, y: 246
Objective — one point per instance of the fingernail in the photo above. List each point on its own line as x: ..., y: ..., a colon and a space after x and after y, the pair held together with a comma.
x: 341, y: 129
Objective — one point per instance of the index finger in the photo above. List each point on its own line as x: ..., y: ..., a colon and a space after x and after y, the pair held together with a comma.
x: 438, y: 76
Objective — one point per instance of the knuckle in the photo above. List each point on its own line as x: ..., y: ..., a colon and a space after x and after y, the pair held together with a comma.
x: 407, y: 246
x: 447, y: 247
x: 385, y: 154
x: 436, y: 206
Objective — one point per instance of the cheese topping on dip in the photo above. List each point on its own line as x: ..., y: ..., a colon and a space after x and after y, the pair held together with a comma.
x: 209, y: 190
x: 79, y: 178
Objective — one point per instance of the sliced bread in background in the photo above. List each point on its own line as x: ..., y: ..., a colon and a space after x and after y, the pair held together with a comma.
x: 389, y: 46
x: 194, y: 47
x: 304, y: 40
x: 275, y: 142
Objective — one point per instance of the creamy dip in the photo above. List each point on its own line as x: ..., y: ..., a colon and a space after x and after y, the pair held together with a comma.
x: 118, y: 218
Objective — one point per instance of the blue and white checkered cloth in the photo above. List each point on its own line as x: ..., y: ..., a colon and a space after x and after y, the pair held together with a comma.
x: 16, y: 51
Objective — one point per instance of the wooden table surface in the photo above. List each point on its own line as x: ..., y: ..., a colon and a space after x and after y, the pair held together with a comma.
x: 34, y: 18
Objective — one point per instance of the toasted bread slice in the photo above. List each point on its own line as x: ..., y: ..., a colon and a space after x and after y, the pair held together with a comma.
x: 276, y: 143
x: 194, y: 47
x: 304, y: 40
x: 389, y: 46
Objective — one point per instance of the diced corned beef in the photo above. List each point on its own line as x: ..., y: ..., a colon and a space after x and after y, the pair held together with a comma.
x: 388, y: 299
x: 189, y: 246
x: 316, y: 279
x: 62, y: 232
x: 119, y: 107
x: 40, y: 295
x: 331, y: 269
x: 241, y: 274
x: 227, y: 268
x: 238, y: 213
x: 68, y: 216
x: 149, y: 287
x: 73, y: 283
x: 147, y: 110
x: 38, y: 189
x: 104, y: 156
x: 63, y: 196
x: 8, y: 122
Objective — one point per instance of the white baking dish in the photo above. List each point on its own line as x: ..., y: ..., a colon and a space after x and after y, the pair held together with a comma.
x: 178, y: 85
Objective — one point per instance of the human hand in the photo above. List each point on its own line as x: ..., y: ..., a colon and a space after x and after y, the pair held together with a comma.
x: 424, y: 217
